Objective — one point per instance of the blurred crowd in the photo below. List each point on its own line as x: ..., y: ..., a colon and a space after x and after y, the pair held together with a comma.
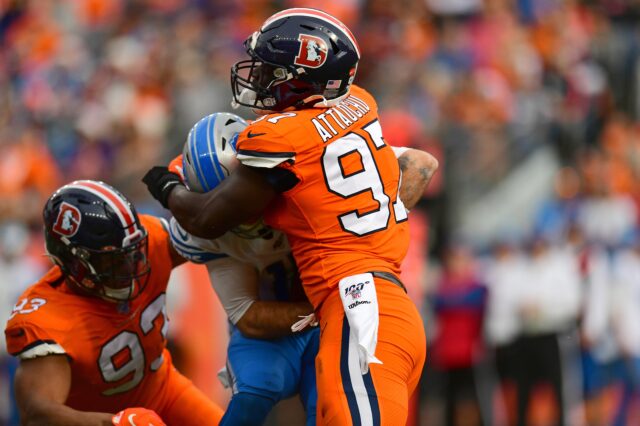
x: 105, y: 89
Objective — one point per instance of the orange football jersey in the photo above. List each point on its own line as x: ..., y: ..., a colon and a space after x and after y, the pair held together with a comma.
x: 344, y: 216
x: 116, y: 351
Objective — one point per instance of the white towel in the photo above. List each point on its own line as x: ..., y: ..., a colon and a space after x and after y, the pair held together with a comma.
x: 360, y: 302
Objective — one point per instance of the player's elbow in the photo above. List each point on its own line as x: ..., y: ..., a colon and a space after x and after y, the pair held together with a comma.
x: 34, y: 412
x: 199, y: 223
x: 31, y: 420
x: 428, y: 162
x: 189, y: 210
x: 252, y: 325
x: 251, y: 329
x: 199, y: 226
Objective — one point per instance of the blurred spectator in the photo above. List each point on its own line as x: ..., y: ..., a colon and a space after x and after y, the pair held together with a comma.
x: 548, y: 307
x: 504, y: 274
x: 29, y: 174
x: 606, y: 217
x: 556, y: 215
x: 625, y: 329
x: 457, y: 350
x: 18, y: 270
x: 610, y: 332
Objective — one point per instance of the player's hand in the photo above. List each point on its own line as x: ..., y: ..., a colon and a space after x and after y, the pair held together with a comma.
x: 175, y: 166
x: 160, y: 182
x: 137, y: 416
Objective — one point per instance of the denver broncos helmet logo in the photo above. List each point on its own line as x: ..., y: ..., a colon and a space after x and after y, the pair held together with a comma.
x: 312, y: 53
x: 68, y: 220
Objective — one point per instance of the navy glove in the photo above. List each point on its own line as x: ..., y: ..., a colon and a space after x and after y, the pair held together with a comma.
x: 160, y: 182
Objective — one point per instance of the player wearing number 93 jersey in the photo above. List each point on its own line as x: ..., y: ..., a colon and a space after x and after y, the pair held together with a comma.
x: 91, y: 334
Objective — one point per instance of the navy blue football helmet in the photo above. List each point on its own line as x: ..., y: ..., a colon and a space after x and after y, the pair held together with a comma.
x: 298, y: 58
x: 93, y: 233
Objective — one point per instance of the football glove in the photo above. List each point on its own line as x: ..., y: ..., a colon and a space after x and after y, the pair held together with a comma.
x: 160, y: 182
x: 137, y: 416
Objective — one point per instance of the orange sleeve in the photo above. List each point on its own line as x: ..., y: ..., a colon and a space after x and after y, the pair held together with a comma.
x: 157, y: 228
x: 175, y: 166
x: 265, y: 144
x: 159, y: 246
x: 22, y: 337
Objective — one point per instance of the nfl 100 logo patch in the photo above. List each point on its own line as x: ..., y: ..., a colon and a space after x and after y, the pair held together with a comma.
x: 355, y: 290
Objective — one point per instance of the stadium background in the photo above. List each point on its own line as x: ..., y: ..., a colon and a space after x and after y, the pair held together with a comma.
x: 531, y: 106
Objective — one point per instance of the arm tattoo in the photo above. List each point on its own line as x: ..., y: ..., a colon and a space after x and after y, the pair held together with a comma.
x: 404, y: 163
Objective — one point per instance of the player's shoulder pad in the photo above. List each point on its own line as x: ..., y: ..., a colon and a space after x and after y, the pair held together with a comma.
x: 43, y: 303
x: 28, y: 340
x: 269, y: 141
x: 155, y: 226
x: 158, y: 232
x: 363, y: 96
x: 39, y: 321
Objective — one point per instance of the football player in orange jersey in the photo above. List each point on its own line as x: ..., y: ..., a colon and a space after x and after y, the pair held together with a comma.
x: 91, y: 334
x: 317, y: 167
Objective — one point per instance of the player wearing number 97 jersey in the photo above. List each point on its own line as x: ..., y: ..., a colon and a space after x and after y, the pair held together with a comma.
x: 343, y: 217
x: 91, y: 334
x: 317, y: 167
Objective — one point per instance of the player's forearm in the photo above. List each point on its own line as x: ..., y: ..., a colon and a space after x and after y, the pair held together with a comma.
x: 270, y: 320
x: 196, y: 213
x: 240, y: 198
x: 418, y: 167
x: 40, y: 412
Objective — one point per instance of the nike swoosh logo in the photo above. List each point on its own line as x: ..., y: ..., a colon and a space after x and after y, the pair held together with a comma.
x: 130, y: 419
x: 253, y: 135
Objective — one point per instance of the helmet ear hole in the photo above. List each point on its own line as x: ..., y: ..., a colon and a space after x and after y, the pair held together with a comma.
x: 334, y: 46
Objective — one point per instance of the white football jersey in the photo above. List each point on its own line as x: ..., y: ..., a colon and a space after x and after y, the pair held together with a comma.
x: 242, y: 270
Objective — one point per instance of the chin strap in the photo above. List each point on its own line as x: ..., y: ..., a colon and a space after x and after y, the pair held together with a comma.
x: 322, y: 102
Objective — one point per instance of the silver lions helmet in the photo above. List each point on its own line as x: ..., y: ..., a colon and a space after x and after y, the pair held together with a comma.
x: 209, y: 154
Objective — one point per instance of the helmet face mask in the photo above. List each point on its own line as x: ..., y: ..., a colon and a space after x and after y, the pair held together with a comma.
x: 101, y: 247
x: 122, y: 272
x: 253, y: 82
x: 298, y: 58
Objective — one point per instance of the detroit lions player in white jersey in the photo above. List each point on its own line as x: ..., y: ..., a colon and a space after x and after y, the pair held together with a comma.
x: 255, y: 277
